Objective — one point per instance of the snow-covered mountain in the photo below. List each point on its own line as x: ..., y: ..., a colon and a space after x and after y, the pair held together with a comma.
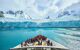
x: 73, y: 10
x: 38, y: 9
x: 70, y: 13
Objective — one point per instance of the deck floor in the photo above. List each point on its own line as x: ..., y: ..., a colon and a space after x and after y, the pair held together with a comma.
x: 39, y: 49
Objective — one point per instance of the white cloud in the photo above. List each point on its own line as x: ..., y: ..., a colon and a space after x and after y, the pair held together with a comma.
x: 36, y: 8
x: 66, y: 3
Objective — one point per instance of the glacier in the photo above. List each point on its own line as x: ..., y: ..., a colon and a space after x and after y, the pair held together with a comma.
x: 60, y: 15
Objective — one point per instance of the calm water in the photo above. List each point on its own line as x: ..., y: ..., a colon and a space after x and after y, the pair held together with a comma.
x: 11, y: 38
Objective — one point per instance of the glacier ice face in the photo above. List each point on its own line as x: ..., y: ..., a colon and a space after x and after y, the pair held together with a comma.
x: 29, y: 24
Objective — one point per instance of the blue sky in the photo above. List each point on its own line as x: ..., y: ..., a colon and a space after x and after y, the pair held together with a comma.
x: 36, y: 8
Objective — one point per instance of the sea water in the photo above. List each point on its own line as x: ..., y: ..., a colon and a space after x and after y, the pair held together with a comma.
x: 11, y: 38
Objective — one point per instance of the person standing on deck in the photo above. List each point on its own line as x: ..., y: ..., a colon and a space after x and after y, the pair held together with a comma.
x: 39, y: 41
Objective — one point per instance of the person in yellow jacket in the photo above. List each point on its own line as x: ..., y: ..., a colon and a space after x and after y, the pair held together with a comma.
x: 40, y: 42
